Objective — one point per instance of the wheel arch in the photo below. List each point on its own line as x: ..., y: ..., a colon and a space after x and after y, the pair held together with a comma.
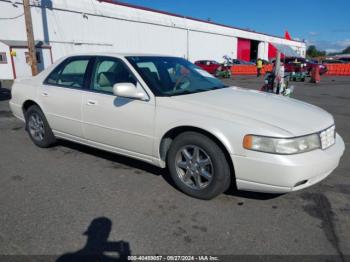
x: 171, y: 134
x: 27, y: 104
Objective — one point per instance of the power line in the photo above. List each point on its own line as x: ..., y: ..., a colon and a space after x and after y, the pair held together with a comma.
x: 11, y: 18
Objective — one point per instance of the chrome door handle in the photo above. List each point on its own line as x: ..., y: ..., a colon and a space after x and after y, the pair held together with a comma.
x: 91, y: 103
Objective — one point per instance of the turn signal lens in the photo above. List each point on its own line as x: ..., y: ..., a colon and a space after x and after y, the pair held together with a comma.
x: 248, y: 142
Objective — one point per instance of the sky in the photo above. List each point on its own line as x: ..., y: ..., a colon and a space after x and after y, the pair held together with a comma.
x: 324, y: 23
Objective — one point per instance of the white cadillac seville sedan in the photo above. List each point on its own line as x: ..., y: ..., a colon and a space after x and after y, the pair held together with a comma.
x: 170, y: 113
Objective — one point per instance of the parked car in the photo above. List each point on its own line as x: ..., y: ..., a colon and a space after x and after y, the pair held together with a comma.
x: 170, y: 113
x: 345, y: 60
x: 211, y: 66
x: 332, y: 61
x: 241, y: 62
x: 291, y: 64
x: 231, y: 61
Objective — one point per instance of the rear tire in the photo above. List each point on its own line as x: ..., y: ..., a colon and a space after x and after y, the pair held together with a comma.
x: 38, y: 128
x: 198, y: 166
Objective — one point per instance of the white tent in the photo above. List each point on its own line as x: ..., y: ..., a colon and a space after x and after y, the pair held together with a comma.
x: 286, y: 50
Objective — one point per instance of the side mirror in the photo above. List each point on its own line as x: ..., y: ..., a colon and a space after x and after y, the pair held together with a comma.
x: 128, y: 90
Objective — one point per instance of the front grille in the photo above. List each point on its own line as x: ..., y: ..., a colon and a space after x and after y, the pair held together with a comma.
x: 327, y: 137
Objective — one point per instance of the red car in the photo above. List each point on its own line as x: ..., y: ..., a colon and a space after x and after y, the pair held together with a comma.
x: 211, y: 66
x: 293, y: 64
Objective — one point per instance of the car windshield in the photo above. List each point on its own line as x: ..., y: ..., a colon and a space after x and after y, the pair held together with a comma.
x: 171, y: 76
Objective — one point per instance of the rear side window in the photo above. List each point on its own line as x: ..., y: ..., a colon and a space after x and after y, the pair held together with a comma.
x: 71, y: 73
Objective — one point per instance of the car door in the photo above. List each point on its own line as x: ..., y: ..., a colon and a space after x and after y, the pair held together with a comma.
x: 213, y: 67
x: 122, y: 123
x: 207, y: 66
x: 61, y: 96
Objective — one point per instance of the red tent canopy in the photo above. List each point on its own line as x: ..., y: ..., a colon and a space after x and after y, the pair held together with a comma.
x: 287, y: 36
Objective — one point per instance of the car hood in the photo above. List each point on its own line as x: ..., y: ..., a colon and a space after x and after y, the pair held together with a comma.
x: 293, y: 116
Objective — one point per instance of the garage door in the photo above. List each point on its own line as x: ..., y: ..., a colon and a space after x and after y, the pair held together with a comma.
x: 272, y: 51
x: 243, y: 49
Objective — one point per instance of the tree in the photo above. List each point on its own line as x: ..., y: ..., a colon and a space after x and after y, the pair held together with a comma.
x: 346, y: 50
x: 313, y: 52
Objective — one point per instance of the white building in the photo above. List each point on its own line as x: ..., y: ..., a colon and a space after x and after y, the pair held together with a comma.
x: 68, y: 27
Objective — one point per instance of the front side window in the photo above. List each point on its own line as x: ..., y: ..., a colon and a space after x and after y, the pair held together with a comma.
x: 108, y: 72
x: 71, y: 73
x: 170, y: 76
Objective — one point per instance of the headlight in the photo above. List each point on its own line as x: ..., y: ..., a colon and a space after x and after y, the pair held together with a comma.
x: 283, y: 146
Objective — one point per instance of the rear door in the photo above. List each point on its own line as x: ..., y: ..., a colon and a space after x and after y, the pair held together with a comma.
x: 61, y: 95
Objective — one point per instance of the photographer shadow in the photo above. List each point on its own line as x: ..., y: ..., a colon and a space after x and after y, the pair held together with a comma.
x: 97, y: 247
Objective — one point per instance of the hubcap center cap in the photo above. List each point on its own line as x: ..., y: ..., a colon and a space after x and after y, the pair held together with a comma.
x: 193, y: 168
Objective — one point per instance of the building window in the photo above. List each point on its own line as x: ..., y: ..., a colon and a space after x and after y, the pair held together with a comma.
x: 38, y: 57
x: 3, y: 58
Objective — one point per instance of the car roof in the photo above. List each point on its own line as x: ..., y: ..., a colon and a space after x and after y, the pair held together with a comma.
x: 117, y: 54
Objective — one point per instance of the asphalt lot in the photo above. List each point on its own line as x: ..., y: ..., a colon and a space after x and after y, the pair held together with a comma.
x: 49, y: 198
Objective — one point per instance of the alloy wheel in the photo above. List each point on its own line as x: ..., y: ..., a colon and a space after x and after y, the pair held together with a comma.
x: 36, y: 127
x: 194, y: 167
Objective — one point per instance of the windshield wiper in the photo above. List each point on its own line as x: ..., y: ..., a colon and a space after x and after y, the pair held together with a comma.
x: 188, y: 92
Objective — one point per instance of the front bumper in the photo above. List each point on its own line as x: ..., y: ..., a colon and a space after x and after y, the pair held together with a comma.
x: 269, y: 173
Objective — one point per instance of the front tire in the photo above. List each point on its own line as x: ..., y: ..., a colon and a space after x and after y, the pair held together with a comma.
x: 198, y: 166
x: 38, y: 128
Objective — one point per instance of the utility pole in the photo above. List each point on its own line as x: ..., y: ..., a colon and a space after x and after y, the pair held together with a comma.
x: 278, y: 73
x: 30, y: 37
